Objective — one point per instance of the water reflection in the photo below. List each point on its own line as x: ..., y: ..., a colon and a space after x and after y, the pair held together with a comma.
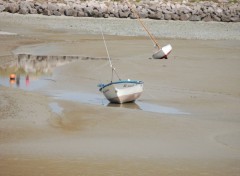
x: 29, y: 68
x: 130, y: 105
x: 42, y: 64
x: 16, y: 80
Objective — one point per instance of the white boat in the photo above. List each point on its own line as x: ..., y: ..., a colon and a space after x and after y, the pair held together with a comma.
x: 120, y: 91
x: 161, y: 52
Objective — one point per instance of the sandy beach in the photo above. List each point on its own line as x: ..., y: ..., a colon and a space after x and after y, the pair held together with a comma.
x: 187, y: 121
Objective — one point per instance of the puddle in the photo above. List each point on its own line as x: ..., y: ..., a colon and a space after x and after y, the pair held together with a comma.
x: 7, y: 33
x: 100, y: 100
x: 56, y: 108
x: 24, y: 82
x: 31, y: 72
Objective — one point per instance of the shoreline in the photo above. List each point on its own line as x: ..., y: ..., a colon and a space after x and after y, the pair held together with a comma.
x: 125, y: 27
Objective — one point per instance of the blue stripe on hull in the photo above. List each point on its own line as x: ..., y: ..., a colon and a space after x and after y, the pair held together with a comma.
x: 119, y: 82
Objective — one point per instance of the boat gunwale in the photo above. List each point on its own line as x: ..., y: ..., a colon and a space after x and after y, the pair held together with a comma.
x: 119, y: 82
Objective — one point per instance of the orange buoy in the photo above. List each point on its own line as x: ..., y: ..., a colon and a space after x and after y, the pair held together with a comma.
x: 12, y: 81
x: 12, y: 77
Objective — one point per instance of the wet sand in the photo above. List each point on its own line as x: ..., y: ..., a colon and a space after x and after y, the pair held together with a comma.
x: 200, y: 78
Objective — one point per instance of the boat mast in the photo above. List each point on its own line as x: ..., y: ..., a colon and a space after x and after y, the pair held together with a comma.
x: 143, y: 25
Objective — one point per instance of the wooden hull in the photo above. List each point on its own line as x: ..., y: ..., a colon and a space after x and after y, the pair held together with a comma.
x: 162, y: 53
x: 122, y: 91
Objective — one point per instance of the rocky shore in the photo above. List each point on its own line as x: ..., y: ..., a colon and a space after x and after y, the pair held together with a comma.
x: 153, y: 9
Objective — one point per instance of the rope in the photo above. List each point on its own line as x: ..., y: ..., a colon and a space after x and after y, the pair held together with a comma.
x: 143, y: 25
x: 109, y: 59
x: 106, y: 49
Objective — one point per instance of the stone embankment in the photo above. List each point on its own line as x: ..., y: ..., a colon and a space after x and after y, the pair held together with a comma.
x: 153, y: 9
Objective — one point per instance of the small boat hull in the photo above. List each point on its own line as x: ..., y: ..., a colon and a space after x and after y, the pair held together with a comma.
x: 122, y: 91
x: 162, y: 53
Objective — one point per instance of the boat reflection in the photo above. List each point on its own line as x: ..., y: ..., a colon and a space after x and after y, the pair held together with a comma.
x: 130, y: 105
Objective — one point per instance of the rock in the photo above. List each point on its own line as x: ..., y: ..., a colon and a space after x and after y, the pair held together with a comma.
x: 2, y: 8
x: 215, y: 18
x: 226, y: 18
x: 23, y: 11
x: 88, y: 10
x: 210, y: 10
x: 33, y: 11
x: 195, y: 18
x: 106, y: 15
x: 157, y: 15
x: 218, y: 11
x: 95, y: 13
x: 37, y: 4
x: 175, y: 16
x: 57, y: 13
x: 13, y: 7
x: 123, y: 14
x: 235, y: 19
x: 184, y: 10
x: 167, y: 16
x: 184, y: 17
x: 153, y: 7
x: 165, y: 11
x: 75, y: 13
x: 207, y: 18
x: 116, y: 14
x: 62, y: 10
x: 44, y: 6
x: 52, y: 7
x: 47, y: 12
x: 143, y: 13
x: 132, y: 16
x: 80, y: 13
x: 69, y: 12
x: 103, y: 8
x: 101, y: 13
x: 24, y: 5
x: 125, y: 8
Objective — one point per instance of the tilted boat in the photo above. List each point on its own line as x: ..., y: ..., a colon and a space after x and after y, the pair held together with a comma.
x: 120, y: 91
x: 162, y: 52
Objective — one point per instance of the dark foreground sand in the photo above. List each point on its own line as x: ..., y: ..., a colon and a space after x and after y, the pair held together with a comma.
x: 200, y: 78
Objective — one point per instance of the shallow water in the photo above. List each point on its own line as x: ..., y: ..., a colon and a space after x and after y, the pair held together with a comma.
x: 33, y: 73
x: 56, y: 108
x: 29, y: 84
x: 98, y: 99
x: 40, y: 83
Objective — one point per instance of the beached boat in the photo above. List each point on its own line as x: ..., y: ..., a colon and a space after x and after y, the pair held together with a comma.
x: 120, y: 91
x: 162, y: 52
